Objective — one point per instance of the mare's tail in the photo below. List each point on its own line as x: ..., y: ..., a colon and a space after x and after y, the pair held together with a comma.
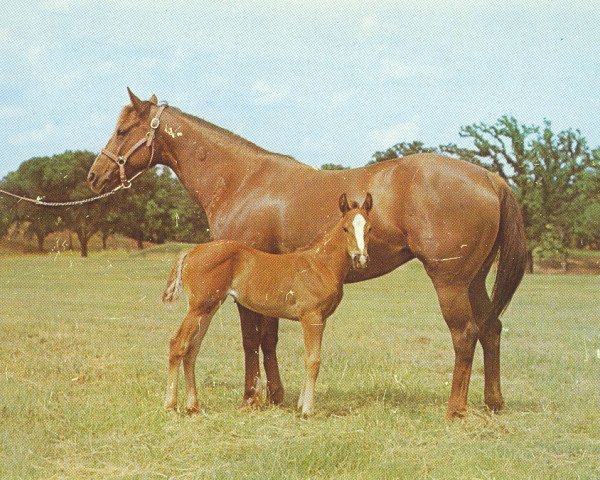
x: 174, y: 284
x: 513, y: 251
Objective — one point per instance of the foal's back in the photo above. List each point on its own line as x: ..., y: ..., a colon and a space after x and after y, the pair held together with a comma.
x: 283, y: 285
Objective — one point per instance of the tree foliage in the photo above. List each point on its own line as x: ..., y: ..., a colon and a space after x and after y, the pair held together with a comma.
x: 156, y: 208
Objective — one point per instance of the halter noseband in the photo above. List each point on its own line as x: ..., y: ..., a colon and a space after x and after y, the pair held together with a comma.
x: 148, y: 140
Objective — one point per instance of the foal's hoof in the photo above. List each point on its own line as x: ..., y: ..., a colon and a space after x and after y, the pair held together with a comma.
x: 307, y: 415
x: 456, y: 414
x: 192, y: 409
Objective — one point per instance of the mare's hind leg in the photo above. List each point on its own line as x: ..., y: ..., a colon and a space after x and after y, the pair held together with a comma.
x: 457, y: 312
x: 489, y: 336
x: 194, y: 323
x: 268, y: 344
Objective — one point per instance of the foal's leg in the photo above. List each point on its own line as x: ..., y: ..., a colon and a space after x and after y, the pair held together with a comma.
x: 456, y: 308
x: 268, y: 344
x: 312, y: 328
x: 489, y: 337
x: 193, y: 323
x: 189, y: 364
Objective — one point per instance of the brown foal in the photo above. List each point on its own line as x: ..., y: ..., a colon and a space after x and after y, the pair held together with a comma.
x: 306, y: 286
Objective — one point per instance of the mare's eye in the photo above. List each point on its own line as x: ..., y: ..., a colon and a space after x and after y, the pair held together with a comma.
x: 120, y: 132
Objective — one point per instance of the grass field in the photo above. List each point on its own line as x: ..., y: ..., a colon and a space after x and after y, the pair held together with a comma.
x: 83, y: 354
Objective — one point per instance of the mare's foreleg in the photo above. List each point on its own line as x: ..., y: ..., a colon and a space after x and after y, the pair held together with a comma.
x: 268, y: 344
x: 251, y: 323
x: 312, y: 329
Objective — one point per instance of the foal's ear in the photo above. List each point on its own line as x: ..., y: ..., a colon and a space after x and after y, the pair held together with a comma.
x: 368, y: 203
x: 139, y: 106
x: 344, y: 207
x: 153, y: 100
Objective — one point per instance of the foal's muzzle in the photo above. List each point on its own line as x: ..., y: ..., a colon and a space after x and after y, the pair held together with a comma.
x: 360, y: 260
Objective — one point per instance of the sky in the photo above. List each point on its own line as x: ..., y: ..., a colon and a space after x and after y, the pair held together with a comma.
x: 323, y: 81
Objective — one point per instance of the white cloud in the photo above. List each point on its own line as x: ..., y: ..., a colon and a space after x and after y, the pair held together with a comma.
x: 342, y: 96
x: 10, y: 111
x: 368, y: 26
x: 400, y: 132
x: 59, y: 5
x: 400, y: 70
x: 105, y: 67
x: 34, y: 135
x: 267, y: 94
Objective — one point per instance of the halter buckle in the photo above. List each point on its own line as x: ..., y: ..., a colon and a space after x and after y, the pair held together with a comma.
x: 121, y: 160
x: 155, y: 123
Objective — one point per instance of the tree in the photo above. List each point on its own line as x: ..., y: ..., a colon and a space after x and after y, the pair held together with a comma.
x: 544, y: 168
x: 402, y: 149
x: 333, y: 166
x: 31, y: 180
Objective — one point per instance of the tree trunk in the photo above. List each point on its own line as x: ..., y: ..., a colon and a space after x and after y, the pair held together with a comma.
x: 104, y: 239
x: 83, y: 242
x: 140, y: 242
x: 529, y: 261
x: 40, y: 241
x: 70, y: 240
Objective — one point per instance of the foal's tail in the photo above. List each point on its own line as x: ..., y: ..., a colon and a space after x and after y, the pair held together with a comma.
x: 174, y: 284
x: 513, y: 251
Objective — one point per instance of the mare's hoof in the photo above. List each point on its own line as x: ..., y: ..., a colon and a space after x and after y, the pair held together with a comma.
x: 275, y: 397
x: 252, y: 403
x: 495, y: 405
x: 192, y: 410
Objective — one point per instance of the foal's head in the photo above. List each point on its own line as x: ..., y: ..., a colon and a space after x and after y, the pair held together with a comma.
x: 356, y: 227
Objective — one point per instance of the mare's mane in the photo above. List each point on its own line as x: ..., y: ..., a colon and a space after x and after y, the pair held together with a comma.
x: 229, y: 137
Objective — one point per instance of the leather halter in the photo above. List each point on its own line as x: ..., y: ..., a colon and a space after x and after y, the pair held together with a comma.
x: 148, y: 140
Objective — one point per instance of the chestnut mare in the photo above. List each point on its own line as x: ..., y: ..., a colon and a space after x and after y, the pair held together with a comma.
x: 306, y: 286
x: 455, y: 217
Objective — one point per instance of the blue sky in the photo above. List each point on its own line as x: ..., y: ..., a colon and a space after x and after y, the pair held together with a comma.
x: 323, y: 81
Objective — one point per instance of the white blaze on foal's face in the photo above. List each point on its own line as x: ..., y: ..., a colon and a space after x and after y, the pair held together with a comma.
x: 359, y: 223
x: 357, y: 242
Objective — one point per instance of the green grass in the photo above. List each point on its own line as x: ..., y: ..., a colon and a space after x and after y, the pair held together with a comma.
x: 83, y: 357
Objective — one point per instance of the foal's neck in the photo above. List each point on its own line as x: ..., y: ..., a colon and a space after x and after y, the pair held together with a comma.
x: 331, y: 251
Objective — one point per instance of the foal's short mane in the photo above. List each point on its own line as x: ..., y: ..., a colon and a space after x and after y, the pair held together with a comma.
x: 229, y: 136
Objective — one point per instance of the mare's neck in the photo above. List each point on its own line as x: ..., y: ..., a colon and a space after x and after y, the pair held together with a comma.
x: 212, y: 163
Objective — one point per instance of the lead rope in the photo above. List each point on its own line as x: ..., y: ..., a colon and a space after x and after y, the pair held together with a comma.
x: 125, y: 183
x: 38, y: 201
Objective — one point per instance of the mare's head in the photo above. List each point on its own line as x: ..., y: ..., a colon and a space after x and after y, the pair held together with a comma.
x: 356, y: 226
x: 130, y: 149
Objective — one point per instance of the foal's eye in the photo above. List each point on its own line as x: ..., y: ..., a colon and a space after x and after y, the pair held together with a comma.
x: 345, y: 229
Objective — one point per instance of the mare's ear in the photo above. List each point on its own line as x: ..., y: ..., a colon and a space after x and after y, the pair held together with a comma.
x: 368, y: 203
x: 344, y: 207
x: 153, y: 100
x: 139, y: 106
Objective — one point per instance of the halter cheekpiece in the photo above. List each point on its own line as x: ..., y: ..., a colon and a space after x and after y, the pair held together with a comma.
x: 148, y: 140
